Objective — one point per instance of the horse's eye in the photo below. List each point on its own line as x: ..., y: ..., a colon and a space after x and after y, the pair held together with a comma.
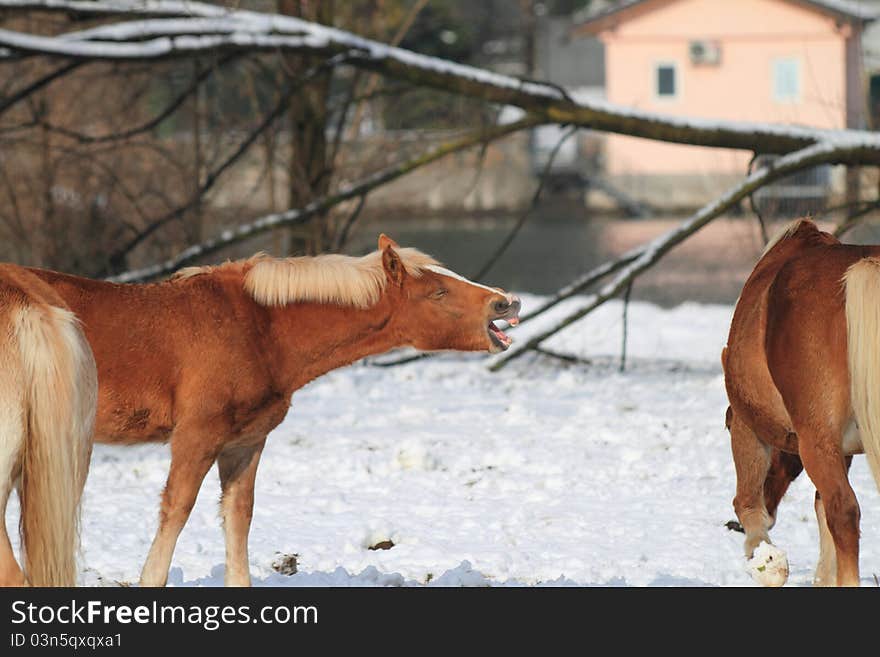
x: 439, y: 294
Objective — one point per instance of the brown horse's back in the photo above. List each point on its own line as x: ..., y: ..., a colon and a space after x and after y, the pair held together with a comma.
x: 750, y: 387
x: 772, y: 343
x: 160, y: 343
x: 806, y: 343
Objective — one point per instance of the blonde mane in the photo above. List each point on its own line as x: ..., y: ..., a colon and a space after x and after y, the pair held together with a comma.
x: 337, y: 279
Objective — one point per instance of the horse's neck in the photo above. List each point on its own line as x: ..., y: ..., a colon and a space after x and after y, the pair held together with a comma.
x: 313, y: 339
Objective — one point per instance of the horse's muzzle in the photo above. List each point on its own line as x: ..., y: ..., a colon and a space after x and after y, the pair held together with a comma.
x: 508, y: 309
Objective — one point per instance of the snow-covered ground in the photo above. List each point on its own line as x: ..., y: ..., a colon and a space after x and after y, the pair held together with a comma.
x: 545, y: 473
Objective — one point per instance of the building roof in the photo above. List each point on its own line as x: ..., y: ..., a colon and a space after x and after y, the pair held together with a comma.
x: 856, y: 11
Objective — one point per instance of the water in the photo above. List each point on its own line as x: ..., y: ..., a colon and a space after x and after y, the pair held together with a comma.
x: 558, y: 243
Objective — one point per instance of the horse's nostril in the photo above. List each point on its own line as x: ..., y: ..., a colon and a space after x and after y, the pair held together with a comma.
x: 501, y: 306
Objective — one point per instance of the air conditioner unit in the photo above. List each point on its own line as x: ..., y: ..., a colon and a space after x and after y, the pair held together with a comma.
x: 705, y: 53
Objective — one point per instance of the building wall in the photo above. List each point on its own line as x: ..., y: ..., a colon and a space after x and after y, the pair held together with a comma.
x: 568, y: 60
x: 751, y: 34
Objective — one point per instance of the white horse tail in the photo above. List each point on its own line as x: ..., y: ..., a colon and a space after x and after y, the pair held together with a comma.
x: 862, y: 282
x: 47, y: 413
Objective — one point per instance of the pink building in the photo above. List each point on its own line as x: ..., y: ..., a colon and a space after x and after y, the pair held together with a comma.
x: 785, y: 61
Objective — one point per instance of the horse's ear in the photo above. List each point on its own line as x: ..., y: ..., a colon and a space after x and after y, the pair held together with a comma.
x: 385, y: 242
x: 394, y: 268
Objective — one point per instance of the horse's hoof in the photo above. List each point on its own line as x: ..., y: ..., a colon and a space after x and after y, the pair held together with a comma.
x: 768, y: 566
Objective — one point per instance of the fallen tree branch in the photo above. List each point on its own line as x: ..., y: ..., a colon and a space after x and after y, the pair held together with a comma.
x: 583, y: 282
x: 568, y: 358
x: 301, y: 215
x: 649, y: 255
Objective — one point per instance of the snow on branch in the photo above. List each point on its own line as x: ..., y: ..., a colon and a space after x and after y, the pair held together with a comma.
x: 159, y: 47
x: 89, y: 8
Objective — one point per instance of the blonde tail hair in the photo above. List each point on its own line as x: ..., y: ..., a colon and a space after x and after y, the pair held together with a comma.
x: 862, y: 282
x: 59, y: 398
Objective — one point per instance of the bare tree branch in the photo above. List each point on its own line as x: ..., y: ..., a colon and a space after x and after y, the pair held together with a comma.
x: 373, y: 80
x: 301, y: 215
x: 156, y: 120
x: 342, y: 234
x: 35, y: 86
x: 214, y: 175
x: 583, y: 282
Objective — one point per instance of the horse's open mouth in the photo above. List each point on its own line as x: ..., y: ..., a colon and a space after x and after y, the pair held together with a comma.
x: 500, y: 338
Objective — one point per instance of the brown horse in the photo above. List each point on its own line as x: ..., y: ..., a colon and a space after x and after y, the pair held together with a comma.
x: 209, y: 359
x: 48, y: 393
x: 802, y: 371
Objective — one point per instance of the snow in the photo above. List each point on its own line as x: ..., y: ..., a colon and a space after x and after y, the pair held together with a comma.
x: 547, y: 473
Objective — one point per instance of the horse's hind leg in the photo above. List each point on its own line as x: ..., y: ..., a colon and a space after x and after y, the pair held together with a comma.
x: 826, y: 466
x: 826, y: 569
x: 752, y: 459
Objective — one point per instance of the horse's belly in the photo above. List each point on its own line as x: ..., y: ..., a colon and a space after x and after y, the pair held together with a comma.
x: 115, y: 436
x: 131, y: 423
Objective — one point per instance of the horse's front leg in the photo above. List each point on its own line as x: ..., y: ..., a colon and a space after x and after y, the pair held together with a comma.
x: 238, y: 472
x: 192, y: 454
